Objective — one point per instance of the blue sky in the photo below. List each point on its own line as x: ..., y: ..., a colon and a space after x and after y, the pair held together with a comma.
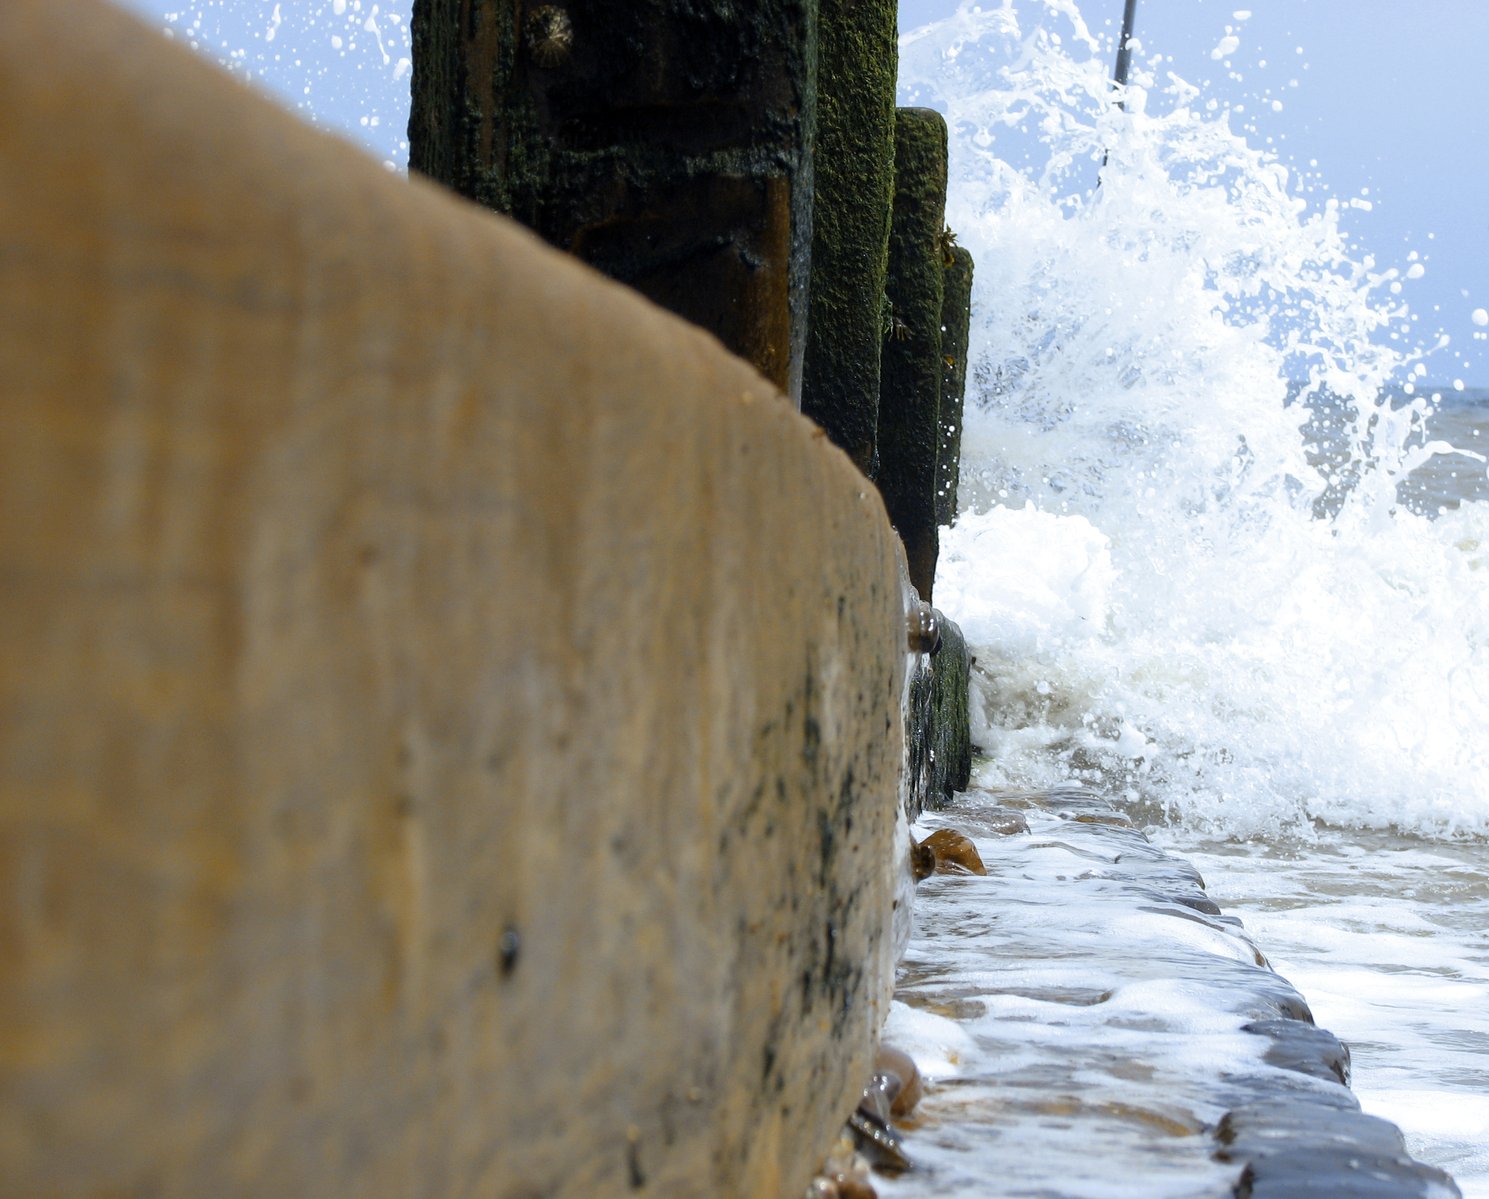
x: 1379, y: 100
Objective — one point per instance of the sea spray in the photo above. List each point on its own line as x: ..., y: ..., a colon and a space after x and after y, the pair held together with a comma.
x: 1182, y: 554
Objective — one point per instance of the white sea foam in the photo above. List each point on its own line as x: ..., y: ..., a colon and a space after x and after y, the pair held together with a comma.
x: 1194, y: 587
x: 1386, y: 937
x: 1171, y: 591
x: 940, y: 1046
x: 1077, y: 1029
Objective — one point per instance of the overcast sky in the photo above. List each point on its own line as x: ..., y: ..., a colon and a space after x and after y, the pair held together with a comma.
x: 1380, y: 100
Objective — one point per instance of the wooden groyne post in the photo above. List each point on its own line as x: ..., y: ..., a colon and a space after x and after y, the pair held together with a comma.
x: 436, y: 755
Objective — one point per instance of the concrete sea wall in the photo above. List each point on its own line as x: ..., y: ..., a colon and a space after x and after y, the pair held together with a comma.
x: 450, y: 709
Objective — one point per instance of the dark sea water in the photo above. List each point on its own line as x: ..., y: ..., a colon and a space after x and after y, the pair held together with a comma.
x: 1460, y: 419
x: 1444, y: 443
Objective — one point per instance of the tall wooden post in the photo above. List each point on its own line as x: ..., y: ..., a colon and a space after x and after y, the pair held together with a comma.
x: 910, y: 391
x: 665, y: 142
x: 956, y: 323
x: 854, y: 181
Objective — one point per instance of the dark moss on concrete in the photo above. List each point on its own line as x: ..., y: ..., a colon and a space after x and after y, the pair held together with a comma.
x: 854, y: 187
x: 665, y: 142
x: 956, y: 322
x: 911, y: 365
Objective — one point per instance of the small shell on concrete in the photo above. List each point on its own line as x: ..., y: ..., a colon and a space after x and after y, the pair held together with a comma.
x: 878, y: 1143
x: 549, y: 34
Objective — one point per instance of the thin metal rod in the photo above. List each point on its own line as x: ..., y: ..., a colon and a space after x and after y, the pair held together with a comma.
x: 1119, y: 77
x: 1124, y: 49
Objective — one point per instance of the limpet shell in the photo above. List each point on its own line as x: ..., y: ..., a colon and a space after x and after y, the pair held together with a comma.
x: 549, y: 35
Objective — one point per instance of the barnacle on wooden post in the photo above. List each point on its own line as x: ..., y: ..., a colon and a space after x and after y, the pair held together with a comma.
x: 892, y: 325
x: 946, y: 242
x: 549, y: 35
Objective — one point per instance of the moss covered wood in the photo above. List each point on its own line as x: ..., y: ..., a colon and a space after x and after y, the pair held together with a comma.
x: 853, y: 190
x: 956, y: 320
x: 951, y: 736
x: 665, y: 142
x: 910, y: 383
x: 938, y: 735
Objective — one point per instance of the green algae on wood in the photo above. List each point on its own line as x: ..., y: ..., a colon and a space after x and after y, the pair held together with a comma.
x: 956, y: 320
x: 910, y: 375
x: 951, y: 733
x: 937, y: 722
x: 853, y: 190
x: 665, y: 142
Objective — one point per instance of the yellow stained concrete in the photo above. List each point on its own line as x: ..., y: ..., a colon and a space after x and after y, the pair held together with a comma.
x: 449, y: 709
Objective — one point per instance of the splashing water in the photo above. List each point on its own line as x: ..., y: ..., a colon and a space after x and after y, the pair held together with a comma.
x: 342, y: 65
x: 1213, y: 555
x: 1181, y: 556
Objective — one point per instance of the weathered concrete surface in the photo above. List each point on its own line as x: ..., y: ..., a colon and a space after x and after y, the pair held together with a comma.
x: 911, y: 366
x: 665, y: 142
x: 436, y: 756
x: 854, y: 188
x: 956, y: 327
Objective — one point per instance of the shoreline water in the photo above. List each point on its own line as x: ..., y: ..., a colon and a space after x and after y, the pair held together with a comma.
x: 1386, y: 935
x: 1092, y: 1026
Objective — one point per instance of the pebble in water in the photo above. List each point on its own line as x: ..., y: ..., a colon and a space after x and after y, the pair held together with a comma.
x: 844, y: 1175
x: 899, y: 1066
x: 955, y: 853
x: 922, y: 630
